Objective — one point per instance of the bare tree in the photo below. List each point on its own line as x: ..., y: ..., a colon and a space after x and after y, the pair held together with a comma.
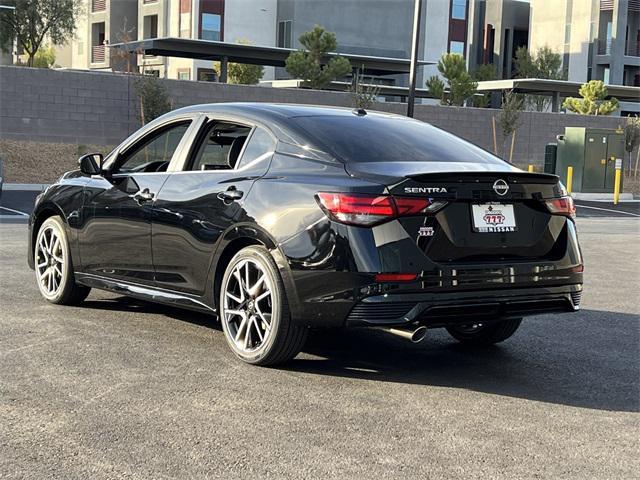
x: 363, y: 94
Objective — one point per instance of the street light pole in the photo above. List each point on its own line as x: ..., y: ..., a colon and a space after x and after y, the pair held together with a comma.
x: 414, y: 57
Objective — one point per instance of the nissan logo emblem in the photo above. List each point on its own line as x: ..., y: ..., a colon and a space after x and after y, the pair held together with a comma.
x: 500, y: 187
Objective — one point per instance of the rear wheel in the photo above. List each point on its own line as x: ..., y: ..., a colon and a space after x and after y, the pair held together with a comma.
x: 485, y: 334
x: 54, y: 269
x: 254, y: 310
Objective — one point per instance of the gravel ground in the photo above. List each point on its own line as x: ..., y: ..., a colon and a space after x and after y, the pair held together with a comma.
x: 124, y: 389
x: 31, y: 162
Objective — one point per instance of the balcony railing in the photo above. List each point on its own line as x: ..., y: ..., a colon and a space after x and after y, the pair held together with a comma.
x: 98, y: 5
x: 633, y: 50
x: 98, y: 54
x: 604, y: 46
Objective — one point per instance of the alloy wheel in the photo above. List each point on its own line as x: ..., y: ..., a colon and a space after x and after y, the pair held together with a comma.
x: 50, y: 264
x: 248, y: 305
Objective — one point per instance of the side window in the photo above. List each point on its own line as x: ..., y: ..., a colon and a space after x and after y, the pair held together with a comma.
x: 153, y: 153
x: 219, y: 146
x: 260, y: 147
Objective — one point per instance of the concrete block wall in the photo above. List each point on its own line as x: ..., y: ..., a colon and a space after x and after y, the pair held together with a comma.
x: 97, y: 108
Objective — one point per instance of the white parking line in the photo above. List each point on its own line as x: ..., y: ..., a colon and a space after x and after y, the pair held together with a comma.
x: 608, y: 210
x: 15, y: 211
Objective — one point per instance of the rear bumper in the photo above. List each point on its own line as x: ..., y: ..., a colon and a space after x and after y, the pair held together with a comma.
x: 445, y: 309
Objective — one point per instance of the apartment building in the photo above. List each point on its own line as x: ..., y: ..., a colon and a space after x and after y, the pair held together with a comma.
x: 599, y: 39
x: 366, y: 27
x: 496, y: 29
x: 108, y: 22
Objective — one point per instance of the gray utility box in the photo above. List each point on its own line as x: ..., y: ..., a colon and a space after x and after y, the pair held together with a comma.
x: 592, y: 152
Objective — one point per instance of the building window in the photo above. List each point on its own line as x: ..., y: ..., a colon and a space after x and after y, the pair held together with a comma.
x: 98, y: 5
x: 284, y: 34
x: 605, y: 75
x: 185, y: 19
x: 207, y: 75
x: 150, y: 26
x: 97, y: 43
x: 184, y: 74
x: 456, y: 47
x: 211, y: 23
x: 459, y: 9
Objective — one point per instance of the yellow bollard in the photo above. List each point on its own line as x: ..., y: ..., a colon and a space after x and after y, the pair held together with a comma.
x: 569, y: 179
x: 531, y: 169
x: 616, y: 186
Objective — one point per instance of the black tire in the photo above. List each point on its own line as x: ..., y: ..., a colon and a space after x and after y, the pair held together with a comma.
x: 485, y: 334
x: 68, y: 292
x: 285, y: 339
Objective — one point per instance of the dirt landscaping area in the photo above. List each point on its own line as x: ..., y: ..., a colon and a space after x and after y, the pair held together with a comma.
x: 31, y: 162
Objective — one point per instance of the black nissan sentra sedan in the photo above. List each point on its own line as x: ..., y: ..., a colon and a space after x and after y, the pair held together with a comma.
x: 282, y: 218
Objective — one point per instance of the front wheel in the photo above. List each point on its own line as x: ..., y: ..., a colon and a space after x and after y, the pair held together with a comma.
x: 485, y: 334
x: 254, y: 310
x: 54, y: 268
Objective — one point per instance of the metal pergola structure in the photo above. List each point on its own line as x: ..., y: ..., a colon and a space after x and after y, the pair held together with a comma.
x: 225, y: 52
x: 556, y: 89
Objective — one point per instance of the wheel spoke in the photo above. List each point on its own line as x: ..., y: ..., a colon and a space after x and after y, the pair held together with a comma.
x: 241, y: 329
x: 254, y: 288
x: 263, y: 295
x: 257, y: 328
x: 44, y: 247
x: 246, y: 277
x: 233, y: 297
x: 266, y: 320
x: 55, y: 246
x: 247, y: 335
x: 237, y: 274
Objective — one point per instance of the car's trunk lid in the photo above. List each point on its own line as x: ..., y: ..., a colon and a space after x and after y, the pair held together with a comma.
x: 490, y: 216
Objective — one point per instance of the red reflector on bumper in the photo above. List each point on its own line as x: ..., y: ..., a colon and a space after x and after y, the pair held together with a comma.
x: 396, y: 277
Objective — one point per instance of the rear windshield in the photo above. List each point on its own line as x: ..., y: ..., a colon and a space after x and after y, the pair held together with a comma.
x: 375, y: 138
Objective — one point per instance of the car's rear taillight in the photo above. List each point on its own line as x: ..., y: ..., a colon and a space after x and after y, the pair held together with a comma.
x: 561, y: 206
x: 367, y: 210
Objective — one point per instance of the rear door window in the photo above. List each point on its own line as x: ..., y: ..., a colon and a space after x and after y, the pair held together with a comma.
x: 260, y: 147
x: 219, y: 146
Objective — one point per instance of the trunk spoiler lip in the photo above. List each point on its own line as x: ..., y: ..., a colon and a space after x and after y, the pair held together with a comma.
x: 464, y: 176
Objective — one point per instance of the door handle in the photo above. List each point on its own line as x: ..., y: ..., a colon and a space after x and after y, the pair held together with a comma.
x: 143, y: 196
x: 230, y: 195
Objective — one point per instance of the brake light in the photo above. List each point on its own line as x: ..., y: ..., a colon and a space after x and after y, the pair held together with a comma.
x: 395, y: 277
x: 367, y: 210
x: 562, y: 206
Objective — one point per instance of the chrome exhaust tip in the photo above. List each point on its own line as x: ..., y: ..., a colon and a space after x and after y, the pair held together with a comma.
x: 414, y: 336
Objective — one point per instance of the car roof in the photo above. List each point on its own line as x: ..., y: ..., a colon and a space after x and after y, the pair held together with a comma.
x: 273, y: 111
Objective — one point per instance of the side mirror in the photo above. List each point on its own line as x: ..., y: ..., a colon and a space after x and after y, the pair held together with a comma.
x: 91, y: 163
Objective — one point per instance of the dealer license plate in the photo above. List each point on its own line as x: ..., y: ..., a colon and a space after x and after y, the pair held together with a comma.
x: 493, y: 217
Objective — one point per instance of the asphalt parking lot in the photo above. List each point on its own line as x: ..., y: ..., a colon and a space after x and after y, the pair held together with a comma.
x: 124, y: 389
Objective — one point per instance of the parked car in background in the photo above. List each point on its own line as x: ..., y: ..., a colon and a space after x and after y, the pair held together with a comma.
x: 281, y: 218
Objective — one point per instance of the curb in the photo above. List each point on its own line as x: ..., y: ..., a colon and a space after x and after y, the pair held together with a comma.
x: 31, y: 187
x: 601, y: 197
